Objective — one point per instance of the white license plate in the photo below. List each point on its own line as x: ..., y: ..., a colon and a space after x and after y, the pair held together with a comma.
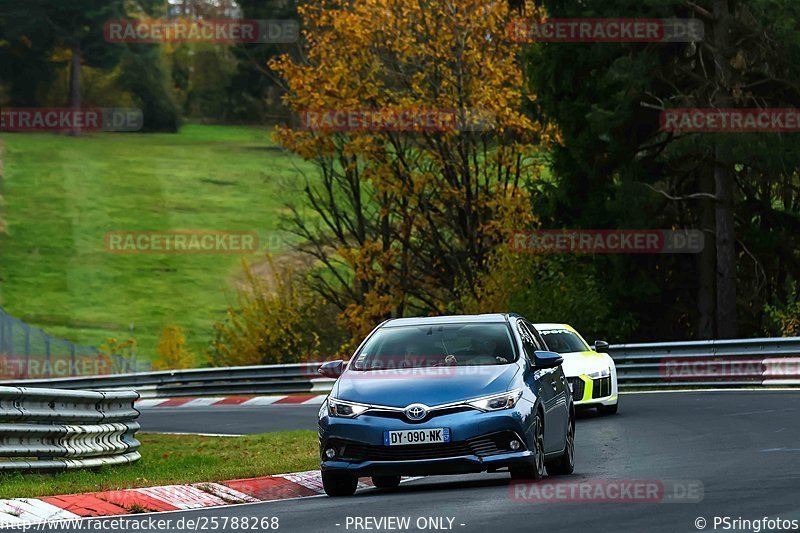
x: 416, y: 436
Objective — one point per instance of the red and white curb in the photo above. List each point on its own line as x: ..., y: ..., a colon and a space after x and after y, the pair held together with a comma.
x: 166, y: 498
x: 244, y: 401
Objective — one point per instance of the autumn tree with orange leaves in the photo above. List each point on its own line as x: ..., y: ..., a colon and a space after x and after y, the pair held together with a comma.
x: 408, y: 218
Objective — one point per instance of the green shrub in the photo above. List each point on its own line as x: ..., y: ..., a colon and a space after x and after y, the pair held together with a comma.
x: 271, y: 323
x: 172, y: 352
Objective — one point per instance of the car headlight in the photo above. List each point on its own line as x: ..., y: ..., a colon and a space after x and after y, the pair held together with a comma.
x: 497, y: 402
x: 600, y: 373
x: 345, y: 409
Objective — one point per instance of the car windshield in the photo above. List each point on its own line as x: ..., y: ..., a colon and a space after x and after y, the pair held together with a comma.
x: 563, y: 341
x: 437, y: 345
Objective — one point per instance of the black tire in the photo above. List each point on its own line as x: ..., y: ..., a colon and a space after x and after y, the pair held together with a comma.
x: 608, y: 409
x: 536, y: 468
x: 565, y: 464
x: 339, y: 484
x: 386, y: 482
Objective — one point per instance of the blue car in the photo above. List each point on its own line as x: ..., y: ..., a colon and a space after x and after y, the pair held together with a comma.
x: 446, y: 395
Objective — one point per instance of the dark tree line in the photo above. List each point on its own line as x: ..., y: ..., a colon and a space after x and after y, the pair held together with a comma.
x: 616, y: 168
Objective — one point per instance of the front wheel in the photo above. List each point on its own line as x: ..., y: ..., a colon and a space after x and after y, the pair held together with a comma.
x: 536, y: 469
x: 339, y: 484
x: 386, y: 482
x: 566, y: 463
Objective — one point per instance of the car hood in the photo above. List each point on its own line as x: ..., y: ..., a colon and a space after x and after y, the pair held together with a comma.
x: 430, y: 386
x: 577, y: 363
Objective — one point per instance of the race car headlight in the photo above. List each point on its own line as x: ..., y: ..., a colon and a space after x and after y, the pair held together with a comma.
x: 497, y: 402
x: 600, y: 373
x: 345, y: 409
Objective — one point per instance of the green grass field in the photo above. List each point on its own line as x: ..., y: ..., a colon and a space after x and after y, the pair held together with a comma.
x: 168, y: 459
x: 64, y: 194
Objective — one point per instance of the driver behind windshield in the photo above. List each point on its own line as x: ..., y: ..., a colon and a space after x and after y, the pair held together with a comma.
x: 445, y: 345
x: 413, y: 357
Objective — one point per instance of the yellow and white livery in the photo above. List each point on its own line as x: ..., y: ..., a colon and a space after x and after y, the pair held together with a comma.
x: 591, y: 373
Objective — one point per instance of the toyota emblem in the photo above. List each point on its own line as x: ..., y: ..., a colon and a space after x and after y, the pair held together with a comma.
x: 416, y: 411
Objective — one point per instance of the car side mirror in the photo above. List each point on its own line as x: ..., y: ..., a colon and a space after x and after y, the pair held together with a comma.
x: 332, y: 369
x: 600, y: 346
x: 547, y: 360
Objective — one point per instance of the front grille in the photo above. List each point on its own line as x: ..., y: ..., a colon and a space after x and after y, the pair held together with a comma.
x: 577, y: 385
x: 400, y: 415
x: 601, y: 387
x: 483, y: 446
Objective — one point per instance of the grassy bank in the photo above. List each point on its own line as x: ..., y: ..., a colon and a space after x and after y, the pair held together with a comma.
x: 168, y: 459
x: 64, y: 194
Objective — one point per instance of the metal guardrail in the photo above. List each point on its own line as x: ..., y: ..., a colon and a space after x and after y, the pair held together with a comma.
x: 717, y: 363
x: 726, y: 363
x: 299, y: 378
x: 55, y: 429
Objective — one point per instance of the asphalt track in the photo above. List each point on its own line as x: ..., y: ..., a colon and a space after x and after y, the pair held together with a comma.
x: 744, y: 447
x: 228, y: 420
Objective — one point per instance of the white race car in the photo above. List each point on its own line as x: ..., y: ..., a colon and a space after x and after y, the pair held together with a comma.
x: 591, y: 373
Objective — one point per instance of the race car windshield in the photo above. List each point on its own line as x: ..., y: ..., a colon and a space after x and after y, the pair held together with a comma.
x: 437, y: 345
x: 562, y: 341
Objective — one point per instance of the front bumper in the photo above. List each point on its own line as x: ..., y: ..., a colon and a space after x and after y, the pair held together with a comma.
x: 479, y: 443
x: 587, y: 392
x: 469, y: 464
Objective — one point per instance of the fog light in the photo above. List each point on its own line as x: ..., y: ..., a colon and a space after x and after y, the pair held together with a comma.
x: 330, y: 453
x: 514, y: 444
